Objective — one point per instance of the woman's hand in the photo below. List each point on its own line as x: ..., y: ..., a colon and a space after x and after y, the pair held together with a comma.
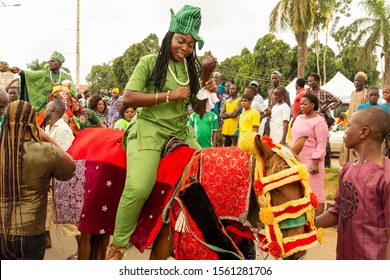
x: 14, y: 70
x: 314, y: 167
x: 179, y: 93
x: 211, y: 86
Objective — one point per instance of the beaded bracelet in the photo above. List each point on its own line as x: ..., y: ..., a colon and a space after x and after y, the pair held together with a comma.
x: 156, y: 101
x: 168, y: 96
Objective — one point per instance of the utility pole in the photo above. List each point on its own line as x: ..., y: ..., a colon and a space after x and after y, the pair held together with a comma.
x: 78, y: 47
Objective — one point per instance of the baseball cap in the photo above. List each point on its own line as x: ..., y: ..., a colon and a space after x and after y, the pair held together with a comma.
x: 255, y: 83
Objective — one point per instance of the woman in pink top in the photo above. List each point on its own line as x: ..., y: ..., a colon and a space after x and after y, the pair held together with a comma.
x: 312, y: 125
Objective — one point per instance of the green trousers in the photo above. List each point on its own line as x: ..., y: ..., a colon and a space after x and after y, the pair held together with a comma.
x: 141, y: 175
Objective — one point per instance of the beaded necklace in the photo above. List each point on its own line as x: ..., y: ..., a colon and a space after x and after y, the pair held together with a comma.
x: 174, y: 76
x: 51, y: 79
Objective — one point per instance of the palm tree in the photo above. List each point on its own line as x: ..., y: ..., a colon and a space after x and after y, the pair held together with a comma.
x: 373, y: 34
x: 326, y: 19
x: 298, y: 16
x: 36, y: 65
x: 44, y: 65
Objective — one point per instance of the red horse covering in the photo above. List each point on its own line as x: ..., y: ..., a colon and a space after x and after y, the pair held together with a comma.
x: 225, y: 174
x: 90, y: 199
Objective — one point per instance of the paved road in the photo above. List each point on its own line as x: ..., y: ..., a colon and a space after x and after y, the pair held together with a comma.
x: 63, y: 247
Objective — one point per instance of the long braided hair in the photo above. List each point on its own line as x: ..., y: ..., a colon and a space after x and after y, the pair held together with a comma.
x: 161, y: 67
x: 19, y: 118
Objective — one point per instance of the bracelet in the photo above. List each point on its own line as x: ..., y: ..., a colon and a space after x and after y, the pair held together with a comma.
x: 156, y: 101
x: 168, y: 96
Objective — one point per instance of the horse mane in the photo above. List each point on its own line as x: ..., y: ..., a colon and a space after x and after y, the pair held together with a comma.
x: 275, y: 164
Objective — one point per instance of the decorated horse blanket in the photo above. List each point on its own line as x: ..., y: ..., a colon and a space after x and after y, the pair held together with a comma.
x: 90, y: 199
x: 226, y: 176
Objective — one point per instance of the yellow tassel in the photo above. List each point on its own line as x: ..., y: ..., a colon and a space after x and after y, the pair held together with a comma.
x: 266, y: 216
x: 302, y: 170
x: 320, y: 236
x: 246, y: 142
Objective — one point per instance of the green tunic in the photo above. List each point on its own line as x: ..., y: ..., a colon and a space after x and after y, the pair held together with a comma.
x: 144, y: 139
x: 37, y: 85
x: 156, y: 123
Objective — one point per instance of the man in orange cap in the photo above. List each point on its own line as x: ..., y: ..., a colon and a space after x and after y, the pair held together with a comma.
x: 114, y: 108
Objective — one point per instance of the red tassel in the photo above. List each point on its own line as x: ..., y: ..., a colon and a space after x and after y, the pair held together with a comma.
x: 267, y: 140
x: 314, y: 200
x: 275, y: 250
x: 258, y: 187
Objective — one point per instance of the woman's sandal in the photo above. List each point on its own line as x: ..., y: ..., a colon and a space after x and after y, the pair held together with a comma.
x: 115, y: 252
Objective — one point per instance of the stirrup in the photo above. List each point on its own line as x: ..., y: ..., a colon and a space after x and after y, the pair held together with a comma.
x: 115, y: 252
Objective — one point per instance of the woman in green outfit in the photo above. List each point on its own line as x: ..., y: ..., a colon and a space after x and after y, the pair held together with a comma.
x: 126, y: 114
x: 79, y: 119
x: 161, y: 86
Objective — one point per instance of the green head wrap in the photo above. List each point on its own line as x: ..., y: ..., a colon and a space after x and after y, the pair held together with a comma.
x: 187, y: 21
x: 59, y: 57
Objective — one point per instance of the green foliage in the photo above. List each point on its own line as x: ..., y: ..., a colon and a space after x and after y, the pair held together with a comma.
x: 35, y: 65
x: 133, y: 54
x: 364, y: 38
x: 118, y: 72
x: 349, y: 59
x: 332, y: 64
x: 100, y: 77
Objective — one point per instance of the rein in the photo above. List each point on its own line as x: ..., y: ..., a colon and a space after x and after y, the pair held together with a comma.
x: 291, y: 214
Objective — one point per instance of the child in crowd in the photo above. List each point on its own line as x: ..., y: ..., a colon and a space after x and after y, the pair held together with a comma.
x: 249, y: 119
x: 386, y: 97
x: 280, y: 116
x: 362, y: 201
x: 205, y: 128
x: 126, y: 114
x: 373, y: 97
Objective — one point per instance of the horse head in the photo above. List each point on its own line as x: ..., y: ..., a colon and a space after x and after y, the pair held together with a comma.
x: 285, y: 199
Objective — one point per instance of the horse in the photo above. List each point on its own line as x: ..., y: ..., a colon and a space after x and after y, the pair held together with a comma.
x: 299, y: 231
x: 168, y: 234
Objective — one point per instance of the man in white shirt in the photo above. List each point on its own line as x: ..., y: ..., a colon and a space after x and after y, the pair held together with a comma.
x: 56, y: 127
x: 60, y: 131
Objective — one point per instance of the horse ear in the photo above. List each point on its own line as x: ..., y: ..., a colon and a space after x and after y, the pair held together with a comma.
x: 298, y: 145
x: 262, y: 149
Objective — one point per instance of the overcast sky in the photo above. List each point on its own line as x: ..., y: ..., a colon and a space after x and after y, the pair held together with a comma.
x: 107, y: 28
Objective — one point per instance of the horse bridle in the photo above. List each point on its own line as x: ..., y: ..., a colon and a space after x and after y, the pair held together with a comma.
x: 293, y: 213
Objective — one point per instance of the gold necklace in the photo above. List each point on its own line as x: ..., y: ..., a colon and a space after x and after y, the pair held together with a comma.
x: 174, y: 76
x: 59, y: 79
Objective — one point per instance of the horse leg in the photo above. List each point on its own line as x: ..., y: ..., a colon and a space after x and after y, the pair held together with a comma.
x: 85, y: 246
x: 99, y: 244
x: 104, y: 241
x: 162, y: 244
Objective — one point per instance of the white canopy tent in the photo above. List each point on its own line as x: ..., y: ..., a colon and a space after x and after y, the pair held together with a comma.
x: 341, y: 87
x: 292, y: 91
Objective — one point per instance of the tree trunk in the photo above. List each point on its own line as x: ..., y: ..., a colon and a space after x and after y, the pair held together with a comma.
x: 302, y: 54
x: 317, y: 52
x: 386, y: 74
x: 324, y: 60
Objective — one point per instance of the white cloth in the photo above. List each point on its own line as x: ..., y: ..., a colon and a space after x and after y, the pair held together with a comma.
x: 61, y: 133
x: 258, y: 104
x: 279, y: 114
x: 212, y: 98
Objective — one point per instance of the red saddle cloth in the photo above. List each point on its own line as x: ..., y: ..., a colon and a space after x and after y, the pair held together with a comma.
x: 169, y: 173
x: 90, y: 199
x: 225, y: 174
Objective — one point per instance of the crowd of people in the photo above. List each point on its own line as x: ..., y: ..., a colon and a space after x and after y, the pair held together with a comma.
x: 159, y: 102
